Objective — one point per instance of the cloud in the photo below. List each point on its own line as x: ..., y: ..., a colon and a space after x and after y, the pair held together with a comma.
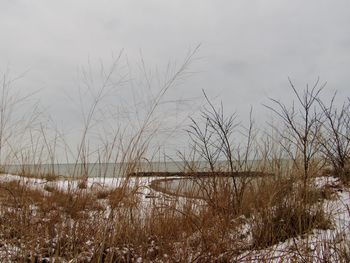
x: 248, y: 47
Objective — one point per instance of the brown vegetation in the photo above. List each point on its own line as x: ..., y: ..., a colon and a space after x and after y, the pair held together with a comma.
x: 242, y: 207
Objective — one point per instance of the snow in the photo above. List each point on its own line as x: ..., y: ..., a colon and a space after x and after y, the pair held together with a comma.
x: 92, y: 182
x: 318, y: 246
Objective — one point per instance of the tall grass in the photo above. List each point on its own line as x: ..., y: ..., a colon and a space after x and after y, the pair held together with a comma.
x: 238, y: 206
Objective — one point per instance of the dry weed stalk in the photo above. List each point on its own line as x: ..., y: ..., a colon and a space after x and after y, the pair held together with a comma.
x: 335, y: 136
x: 302, y: 127
x: 118, y: 225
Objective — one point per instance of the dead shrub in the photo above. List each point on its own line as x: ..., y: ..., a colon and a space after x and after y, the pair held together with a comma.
x: 122, y: 197
x: 290, y: 217
x: 102, y: 194
x: 82, y: 184
x: 49, y: 188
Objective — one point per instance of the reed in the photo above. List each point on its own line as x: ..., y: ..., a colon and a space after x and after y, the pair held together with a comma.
x: 234, y: 210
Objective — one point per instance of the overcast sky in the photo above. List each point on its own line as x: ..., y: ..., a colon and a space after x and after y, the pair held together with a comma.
x: 248, y: 48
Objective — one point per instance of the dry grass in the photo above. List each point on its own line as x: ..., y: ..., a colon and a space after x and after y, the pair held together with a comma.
x: 112, y: 225
x: 233, y: 214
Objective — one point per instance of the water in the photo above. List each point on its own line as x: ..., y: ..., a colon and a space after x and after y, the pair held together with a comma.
x: 201, y: 187
x: 108, y: 170
x: 105, y: 170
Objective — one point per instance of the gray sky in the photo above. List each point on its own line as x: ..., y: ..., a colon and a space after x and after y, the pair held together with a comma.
x: 248, y: 48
